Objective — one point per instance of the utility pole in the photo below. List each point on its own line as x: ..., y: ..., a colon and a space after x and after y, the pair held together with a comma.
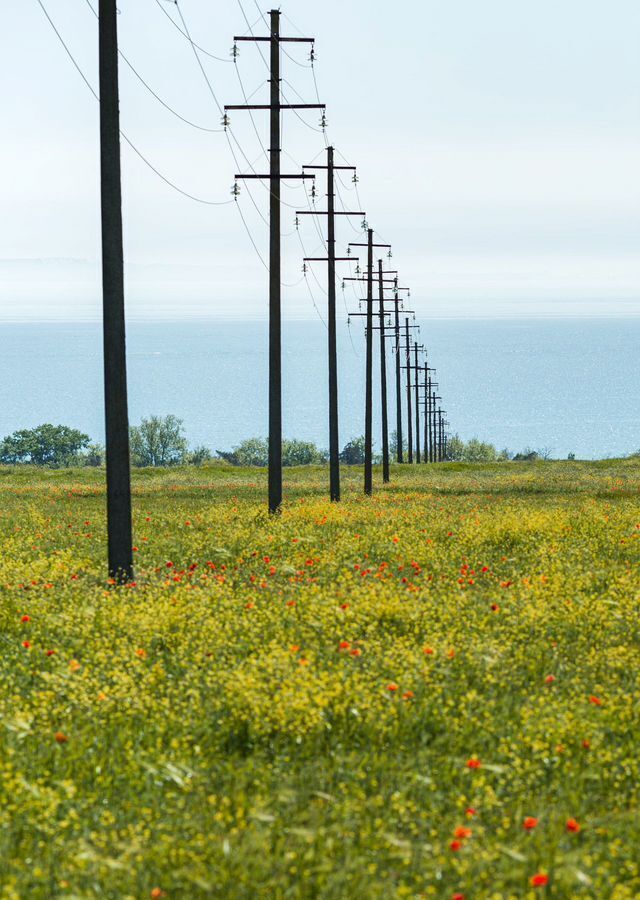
x: 385, y: 333
x: 417, y: 369
x: 434, y: 416
x: 383, y: 380
x: 408, y: 367
x: 119, y: 537
x: 368, y: 412
x: 275, y: 108
x: 396, y: 324
x: 427, y: 405
x: 331, y: 259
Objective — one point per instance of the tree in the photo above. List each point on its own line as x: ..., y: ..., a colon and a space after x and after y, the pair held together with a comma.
x: 526, y: 455
x: 252, y: 452
x: 94, y: 456
x: 158, y: 442
x: 199, y: 455
x: 301, y: 453
x: 47, y: 445
x: 479, y: 451
x: 353, y: 452
x: 455, y: 448
x: 393, y: 445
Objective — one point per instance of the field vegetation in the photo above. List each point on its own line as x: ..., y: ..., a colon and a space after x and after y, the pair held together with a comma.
x: 428, y: 693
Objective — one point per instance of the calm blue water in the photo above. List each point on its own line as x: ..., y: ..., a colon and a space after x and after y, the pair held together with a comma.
x: 567, y: 384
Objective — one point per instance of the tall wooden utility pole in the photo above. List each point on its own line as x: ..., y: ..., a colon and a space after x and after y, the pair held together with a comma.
x: 331, y: 259
x: 368, y: 406
x: 119, y: 536
x: 275, y: 176
x: 434, y: 418
x: 385, y: 332
x: 396, y: 325
x: 383, y: 380
x: 427, y: 407
x: 417, y: 371
x: 409, y: 416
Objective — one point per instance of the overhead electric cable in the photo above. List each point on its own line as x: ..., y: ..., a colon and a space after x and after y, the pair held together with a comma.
x: 177, y: 27
x: 153, y: 93
x: 166, y: 180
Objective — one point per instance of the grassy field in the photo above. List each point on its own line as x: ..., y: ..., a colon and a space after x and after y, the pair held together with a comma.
x: 429, y: 693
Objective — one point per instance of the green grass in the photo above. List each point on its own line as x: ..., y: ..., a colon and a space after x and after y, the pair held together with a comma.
x: 217, y: 738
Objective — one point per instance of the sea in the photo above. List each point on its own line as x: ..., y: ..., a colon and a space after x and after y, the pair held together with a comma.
x: 559, y: 386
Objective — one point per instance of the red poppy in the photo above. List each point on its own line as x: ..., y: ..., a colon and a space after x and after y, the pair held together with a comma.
x: 595, y: 700
x: 462, y: 832
x: 344, y: 645
x: 539, y: 880
x: 573, y: 826
x: 470, y: 812
x: 530, y: 823
x: 25, y: 619
x: 473, y: 763
x: 60, y: 737
x: 408, y: 695
x: 454, y: 846
x: 26, y: 645
x: 550, y: 679
x: 392, y: 686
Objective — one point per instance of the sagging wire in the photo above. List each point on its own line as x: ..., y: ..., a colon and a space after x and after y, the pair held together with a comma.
x: 124, y: 137
x: 153, y: 93
x: 176, y: 26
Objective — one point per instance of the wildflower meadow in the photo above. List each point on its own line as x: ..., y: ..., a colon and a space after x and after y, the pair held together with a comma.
x: 430, y: 693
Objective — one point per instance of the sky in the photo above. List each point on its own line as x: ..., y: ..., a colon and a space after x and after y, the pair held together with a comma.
x: 496, y: 144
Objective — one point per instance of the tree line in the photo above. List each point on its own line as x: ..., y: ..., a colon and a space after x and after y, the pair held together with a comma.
x: 161, y: 441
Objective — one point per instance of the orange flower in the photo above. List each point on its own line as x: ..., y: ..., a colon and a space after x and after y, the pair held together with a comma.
x: 550, y: 679
x: 60, y: 737
x: 408, y: 695
x: 74, y: 665
x: 473, y: 763
x: 356, y: 651
x: 595, y: 700
x: 539, y: 879
x: 141, y: 653
x: 530, y: 823
x: 428, y: 651
x: 157, y: 892
x: 303, y: 662
x: 294, y: 648
x: 573, y: 826
x: 344, y: 645
x: 462, y: 832
x: 392, y: 687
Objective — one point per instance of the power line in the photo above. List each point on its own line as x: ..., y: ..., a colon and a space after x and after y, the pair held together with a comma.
x: 153, y: 93
x: 144, y: 159
x: 177, y: 27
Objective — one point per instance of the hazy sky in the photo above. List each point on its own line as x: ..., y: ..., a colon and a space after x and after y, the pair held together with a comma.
x: 497, y: 146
